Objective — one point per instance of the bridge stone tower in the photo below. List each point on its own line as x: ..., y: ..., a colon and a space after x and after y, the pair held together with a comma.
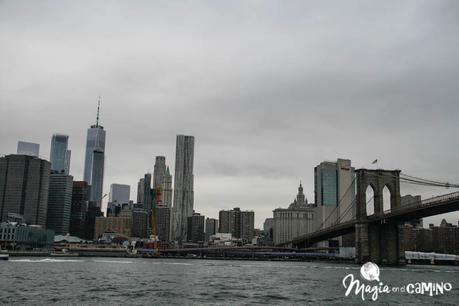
x: 377, y: 239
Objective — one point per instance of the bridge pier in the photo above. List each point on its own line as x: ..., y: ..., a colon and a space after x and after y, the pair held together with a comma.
x: 379, y: 241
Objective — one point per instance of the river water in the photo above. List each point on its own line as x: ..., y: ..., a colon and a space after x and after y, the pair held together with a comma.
x: 107, y: 281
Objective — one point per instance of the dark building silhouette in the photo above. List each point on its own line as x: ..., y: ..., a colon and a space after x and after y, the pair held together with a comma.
x: 59, y: 203
x: 211, y: 227
x: 239, y: 223
x: 195, y: 231
x: 79, y: 208
x: 163, y: 222
x: 24, y: 183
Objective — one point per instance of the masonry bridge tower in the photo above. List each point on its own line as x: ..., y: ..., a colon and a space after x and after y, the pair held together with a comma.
x: 380, y: 241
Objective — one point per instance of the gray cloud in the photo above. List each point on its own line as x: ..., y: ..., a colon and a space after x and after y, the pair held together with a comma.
x: 269, y: 89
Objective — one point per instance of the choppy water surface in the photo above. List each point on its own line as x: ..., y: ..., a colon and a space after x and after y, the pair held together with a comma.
x: 94, y: 281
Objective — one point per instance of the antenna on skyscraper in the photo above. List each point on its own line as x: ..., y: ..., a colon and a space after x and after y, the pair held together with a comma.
x: 97, y: 118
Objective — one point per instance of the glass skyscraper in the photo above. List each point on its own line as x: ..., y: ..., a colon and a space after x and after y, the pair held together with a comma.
x: 94, y: 160
x: 60, y: 155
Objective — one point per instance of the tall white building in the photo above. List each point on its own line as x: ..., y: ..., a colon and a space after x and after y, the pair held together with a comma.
x: 95, y: 160
x: 183, y: 187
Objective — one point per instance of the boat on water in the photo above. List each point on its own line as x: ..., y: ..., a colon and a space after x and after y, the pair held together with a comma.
x: 4, y: 256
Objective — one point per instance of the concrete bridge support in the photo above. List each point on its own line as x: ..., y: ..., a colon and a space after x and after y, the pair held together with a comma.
x: 379, y: 242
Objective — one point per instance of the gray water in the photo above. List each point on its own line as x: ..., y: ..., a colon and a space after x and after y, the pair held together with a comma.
x: 104, y: 281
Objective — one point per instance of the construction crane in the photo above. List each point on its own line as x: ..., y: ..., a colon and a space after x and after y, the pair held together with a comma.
x: 154, y: 232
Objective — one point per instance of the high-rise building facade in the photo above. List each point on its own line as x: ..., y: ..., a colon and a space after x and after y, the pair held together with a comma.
x: 159, y: 172
x: 80, y: 199
x: 167, y: 189
x: 94, y: 160
x: 334, y: 185
x: 119, y: 193
x: 163, y: 222
x: 28, y: 148
x: 195, y: 231
x: 211, y: 227
x: 60, y: 155
x: 183, y: 187
x: 59, y: 203
x: 24, y: 183
x: 241, y: 224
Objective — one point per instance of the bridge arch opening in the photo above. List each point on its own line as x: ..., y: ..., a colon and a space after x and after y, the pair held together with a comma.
x: 387, y: 203
x: 370, y: 200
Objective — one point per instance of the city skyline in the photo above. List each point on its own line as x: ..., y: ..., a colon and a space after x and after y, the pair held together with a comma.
x: 263, y: 119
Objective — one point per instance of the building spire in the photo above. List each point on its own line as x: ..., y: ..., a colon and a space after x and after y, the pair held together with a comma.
x: 97, y: 118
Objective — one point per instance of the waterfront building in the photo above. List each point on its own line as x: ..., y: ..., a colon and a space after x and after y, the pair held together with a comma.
x: 239, y: 223
x: 163, y: 222
x: 121, y: 225
x: 20, y: 236
x: 195, y: 231
x: 28, y: 148
x: 296, y: 220
x: 79, y: 208
x: 95, y: 159
x: 139, y: 223
x: 183, y: 187
x: 334, y: 184
x: 211, y: 227
x: 24, y: 183
x: 59, y: 203
x: 91, y: 215
x: 60, y: 155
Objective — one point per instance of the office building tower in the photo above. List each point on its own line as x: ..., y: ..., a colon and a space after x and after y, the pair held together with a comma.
x: 211, y: 227
x: 183, y: 187
x: 28, y: 148
x: 119, y: 193
x: 140, y: 191
x: 159, y: 172
x: 163, y: 222
x: 334, y: 184
x: 195, y: 231
x: 59, y: 203
x: 240, y: 224
x: 139, y: 223
x: 24, y: 183
x: 60, y: 155
x: 91, y: 215
x: 147, y: 194
x: 167, y: 189
x: 94, y: 160
x: 80, y: 198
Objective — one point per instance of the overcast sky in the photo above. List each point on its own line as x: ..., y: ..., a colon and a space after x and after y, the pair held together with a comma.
x: 269, y: 89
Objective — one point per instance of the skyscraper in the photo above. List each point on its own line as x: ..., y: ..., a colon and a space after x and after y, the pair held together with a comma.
x: 60, y: 155
x: 183, y: 187
x: 167, y: 189
x: 119, y: 193
x: 334, y: 185
x: 80, y: 198
x: 211, y: 227
x: 195, y: 231
x: 159, y: 172
x: 59, y: 203
x: 94, y: 160
x: 24, y: 183
x: 28, y: 148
